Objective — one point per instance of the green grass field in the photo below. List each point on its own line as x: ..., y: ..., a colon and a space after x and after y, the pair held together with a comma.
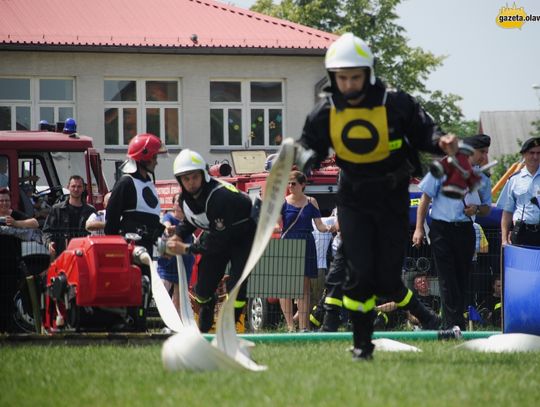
x: 299, y: 374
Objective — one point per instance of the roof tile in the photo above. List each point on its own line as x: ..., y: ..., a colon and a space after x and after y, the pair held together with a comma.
x: 156, y: 23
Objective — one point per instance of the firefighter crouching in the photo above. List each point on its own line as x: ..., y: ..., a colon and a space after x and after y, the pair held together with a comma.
x: 225, y: 214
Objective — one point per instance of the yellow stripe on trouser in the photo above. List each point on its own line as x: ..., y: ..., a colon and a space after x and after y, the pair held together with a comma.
x: 355, y: 305
x: 497, y: 306
x: 239, y: 304
x: 203, y: 301
x: 314, y: 320
x: 405, y: 300
x: 333, y: 301
x: 384, y: 316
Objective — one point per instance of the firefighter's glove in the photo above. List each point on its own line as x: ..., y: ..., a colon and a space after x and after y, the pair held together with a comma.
x: 304, y: 158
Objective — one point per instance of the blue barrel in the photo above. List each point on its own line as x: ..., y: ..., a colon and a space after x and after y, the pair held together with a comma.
x: 521, y: 289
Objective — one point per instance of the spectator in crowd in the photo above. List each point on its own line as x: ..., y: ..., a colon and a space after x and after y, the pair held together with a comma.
x: 422, y: 290
x: 375, y: 133
x: 67, y: 219
x: 167, y: 266
x: 494, y: 303
x: 96, y: 222
x: 225, y: 214
x: 452, y: 233
x: 322, y: 245
x: 32, y: 205
x: 297, y: 214
x: 4, y: 179
x: 520, y: 222
x: 10, y: 256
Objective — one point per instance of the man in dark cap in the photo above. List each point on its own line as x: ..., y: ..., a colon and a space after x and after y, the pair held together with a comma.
x: 478, y: 140
x: 452, y: 233
x: 480, y: 143
x: 530, y: 143
x: 520, y: 222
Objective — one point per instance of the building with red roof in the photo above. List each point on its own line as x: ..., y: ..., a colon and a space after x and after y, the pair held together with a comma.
x: 197, y: 73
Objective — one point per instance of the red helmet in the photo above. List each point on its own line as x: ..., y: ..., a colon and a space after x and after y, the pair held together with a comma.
x: 143, y: 147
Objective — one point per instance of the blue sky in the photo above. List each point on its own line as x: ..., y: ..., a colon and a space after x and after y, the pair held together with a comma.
x: 490, y: 67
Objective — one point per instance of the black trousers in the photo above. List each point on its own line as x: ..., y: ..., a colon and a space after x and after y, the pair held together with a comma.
x: 452, y: 247
x: 374, y: 243
x: 213, y: 265
x: 336, y: 276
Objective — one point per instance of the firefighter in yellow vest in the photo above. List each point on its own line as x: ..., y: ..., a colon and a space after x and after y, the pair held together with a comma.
x: 376, y: 134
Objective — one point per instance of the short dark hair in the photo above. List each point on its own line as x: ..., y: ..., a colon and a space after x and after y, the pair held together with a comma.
x: 76, y: 178
x: 4, y: 191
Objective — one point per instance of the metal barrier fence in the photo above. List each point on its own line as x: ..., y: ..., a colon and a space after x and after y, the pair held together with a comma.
x: 273, y: 278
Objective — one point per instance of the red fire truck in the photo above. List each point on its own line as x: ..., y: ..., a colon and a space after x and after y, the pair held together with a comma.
x: 37, y: 166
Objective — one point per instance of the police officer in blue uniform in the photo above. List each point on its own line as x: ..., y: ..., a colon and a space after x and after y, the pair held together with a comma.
x: 375, y: 133
x: 453, y: 238
x: 520, y: 222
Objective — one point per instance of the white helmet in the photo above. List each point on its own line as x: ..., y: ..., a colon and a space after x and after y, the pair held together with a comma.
x: 349, y: 51
x: 188, y: 161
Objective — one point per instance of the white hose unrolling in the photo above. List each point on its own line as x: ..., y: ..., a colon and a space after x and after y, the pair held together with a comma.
x: 163, y: 301
x: 188, y: 350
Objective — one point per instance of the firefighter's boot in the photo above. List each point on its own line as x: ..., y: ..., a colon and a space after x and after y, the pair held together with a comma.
x: 453, y: 333
x: 206, y: 314
x: 316, y: 316
x: 362, y: 331
x: 332, y: 318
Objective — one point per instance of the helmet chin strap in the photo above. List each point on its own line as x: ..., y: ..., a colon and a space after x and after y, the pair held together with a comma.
x: 197, y: 193
x: 343, y: 98
x: 357, y: 93
x: 144, y: 166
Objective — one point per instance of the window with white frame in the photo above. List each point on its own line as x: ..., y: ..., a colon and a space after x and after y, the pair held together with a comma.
x: 246, y: 113
x: 137, y: 106
x: 24, y: 102
x: 56, y: 99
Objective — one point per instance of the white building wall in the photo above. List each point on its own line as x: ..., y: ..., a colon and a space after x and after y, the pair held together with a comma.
x: 301, y: 73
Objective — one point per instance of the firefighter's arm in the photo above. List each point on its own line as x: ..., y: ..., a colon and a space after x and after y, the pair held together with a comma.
x: 314, y: 143
x: 421, y: 213
x: 448, y: 144
x: 122, y: 198
x: 177, y: 246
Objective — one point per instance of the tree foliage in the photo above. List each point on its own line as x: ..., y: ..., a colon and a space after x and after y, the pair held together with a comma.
x: 397, y: 63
